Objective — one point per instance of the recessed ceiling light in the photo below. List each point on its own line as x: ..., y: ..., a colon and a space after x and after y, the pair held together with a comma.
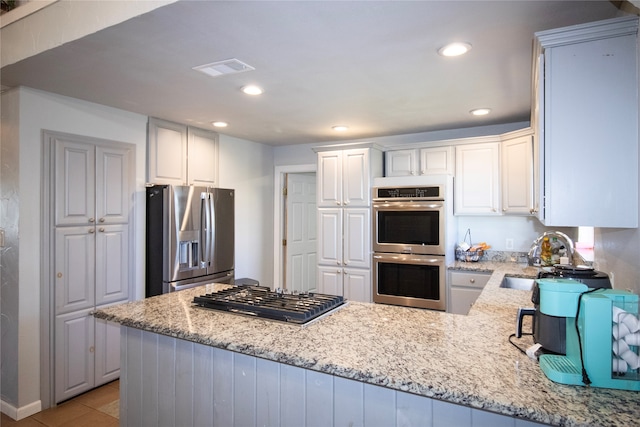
x: 454, y: 49
x: 220, y: 124
x: 252, y: 90
x: 340, y: 128
x: 480, y: 111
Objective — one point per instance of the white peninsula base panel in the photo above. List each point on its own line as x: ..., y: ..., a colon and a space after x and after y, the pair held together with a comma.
x: 167, y: 381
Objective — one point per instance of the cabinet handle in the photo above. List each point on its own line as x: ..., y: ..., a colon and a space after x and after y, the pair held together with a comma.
x: 91, y: 231
x: 101, y: 219
x: 338, y: 203
x: 91, y: 349
x: 92, y: 220
x: 102, y: 229
x: 338, y: 271
x: 472, y: 280
x: 59, y: 275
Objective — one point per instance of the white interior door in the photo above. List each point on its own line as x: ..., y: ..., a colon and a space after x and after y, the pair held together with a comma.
x: 301, y: 232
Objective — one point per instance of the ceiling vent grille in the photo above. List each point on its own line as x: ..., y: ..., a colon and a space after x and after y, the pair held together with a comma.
x: 221, y: 68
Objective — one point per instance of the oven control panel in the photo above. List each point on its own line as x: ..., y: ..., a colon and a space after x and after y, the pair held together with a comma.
x: 434, y: 192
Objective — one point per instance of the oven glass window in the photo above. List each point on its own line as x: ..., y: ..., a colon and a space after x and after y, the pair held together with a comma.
x: 409, y: 280
x: 409, y: 227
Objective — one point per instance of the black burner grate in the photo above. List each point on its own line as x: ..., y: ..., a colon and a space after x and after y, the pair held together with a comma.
x: 262, y: 302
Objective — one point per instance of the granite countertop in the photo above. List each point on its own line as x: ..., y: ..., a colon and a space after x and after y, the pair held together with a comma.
x: 461, y: 359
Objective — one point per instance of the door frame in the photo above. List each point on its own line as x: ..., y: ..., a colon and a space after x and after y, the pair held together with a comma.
x: 279, y: 176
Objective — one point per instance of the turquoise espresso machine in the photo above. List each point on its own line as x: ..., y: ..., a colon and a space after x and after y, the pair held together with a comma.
x: 603, y: 335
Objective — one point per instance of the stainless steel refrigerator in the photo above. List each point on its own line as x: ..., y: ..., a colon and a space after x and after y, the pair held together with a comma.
x: 190, y: 237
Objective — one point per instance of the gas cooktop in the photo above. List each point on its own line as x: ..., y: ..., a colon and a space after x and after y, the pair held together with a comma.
x: 261, y: 301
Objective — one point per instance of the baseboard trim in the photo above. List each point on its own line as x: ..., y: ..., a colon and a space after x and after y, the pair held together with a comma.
x: 22, y: 412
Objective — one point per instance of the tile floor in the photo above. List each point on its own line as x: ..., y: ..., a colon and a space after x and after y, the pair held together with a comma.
x: 96, y: 408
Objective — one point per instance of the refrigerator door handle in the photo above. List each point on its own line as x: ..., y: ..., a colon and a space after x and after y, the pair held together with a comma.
x: 212, y: 230
x: 205, y: 221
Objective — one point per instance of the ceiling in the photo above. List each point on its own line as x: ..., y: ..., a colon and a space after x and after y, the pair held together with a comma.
x: 370, y: 65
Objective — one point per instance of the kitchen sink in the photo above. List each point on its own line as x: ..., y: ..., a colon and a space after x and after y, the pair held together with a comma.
x: 521, y: 283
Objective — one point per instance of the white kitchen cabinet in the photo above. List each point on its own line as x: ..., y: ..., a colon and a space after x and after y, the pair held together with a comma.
x: 91, y: 183
x: 423, y: 161
x: 74, y: 353
x: 87, y: 353
x: 75, y: 268
x: 107, y: 351
x: 401, y: 162
x: 202, y: 157
x: 167, y: 152
x: 344, y: 244
x: 477, y: 182
x: 112, y: 267
x: 586, y: 117
x: 91, y: 252
x: 517, y: 175
x: 181, y: 155
x: 352, y: 283
x: 464, y: 290
x: 344, y: 176
x: 357, y: 284
x: 330, y: 238
x: 344, y: 220
x: 346, y: 237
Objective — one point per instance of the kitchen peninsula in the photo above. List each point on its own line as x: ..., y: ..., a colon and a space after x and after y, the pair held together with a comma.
x: 365, y: 364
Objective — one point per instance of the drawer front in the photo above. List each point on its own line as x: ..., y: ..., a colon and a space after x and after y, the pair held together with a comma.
x: 469, y: 280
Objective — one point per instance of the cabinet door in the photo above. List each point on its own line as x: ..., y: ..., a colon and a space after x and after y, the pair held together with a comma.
x: 167, y: 152
x: 203, y: 157
x: 355, y: 175
x: 330, y: 241
x: 462, y: 299
x: 591, y: 133
x: 329, y: 179
x: 74, y: 354
x: 113, y: 183
x: 112, y: 268
x: 436, y: 161
x: 330, y: 280
x: 357, y: 285
x: 357, y: 238
x: 75, y: 182
x: 107, y: 351
x: 517, y: 176
x: 477, y: 184
x: 400, y: 163
x: 74, y: 268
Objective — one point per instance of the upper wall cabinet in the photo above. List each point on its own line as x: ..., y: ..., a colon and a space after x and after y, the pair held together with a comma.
x: 586, y: 119
x: 477, y: 182
x: 344, y: 176
x: 423, y: 161
x: 179, y: 155
x: 516, y: 153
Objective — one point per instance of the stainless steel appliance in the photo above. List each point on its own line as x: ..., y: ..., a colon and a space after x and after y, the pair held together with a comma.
x: 190, y: 237
x: 260, y: 301
x: 409, y: 246
x: 409, y: 220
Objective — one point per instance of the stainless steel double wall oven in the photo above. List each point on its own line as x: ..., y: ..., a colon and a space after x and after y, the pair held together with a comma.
x: 409, y: 246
